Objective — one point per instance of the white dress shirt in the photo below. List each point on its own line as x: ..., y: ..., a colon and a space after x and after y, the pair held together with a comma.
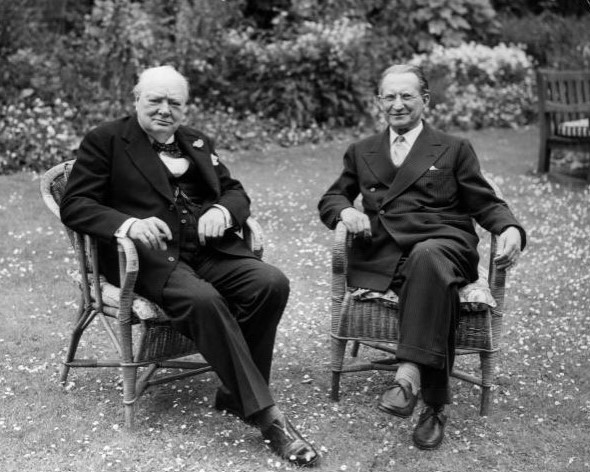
x: 409, y: 140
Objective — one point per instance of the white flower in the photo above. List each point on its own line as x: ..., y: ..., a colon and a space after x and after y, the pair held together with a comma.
x: 198, y: 143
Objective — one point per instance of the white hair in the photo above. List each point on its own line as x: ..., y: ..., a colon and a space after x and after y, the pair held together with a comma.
x: 161, y: 73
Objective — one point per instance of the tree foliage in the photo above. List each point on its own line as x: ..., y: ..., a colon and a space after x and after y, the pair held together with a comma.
x: 303, y: 67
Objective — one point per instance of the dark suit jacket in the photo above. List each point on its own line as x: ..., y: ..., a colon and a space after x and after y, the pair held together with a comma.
x: 434, y: 194
x: 118, y: 175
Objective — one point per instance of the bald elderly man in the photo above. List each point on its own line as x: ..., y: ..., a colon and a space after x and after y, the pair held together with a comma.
x: 149, y: 177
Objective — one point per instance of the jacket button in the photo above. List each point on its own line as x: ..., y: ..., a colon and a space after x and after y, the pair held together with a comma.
x: 183, y: 221
x: 372, y: 189
x: 382, y: 212
x: 171, y: 259
x: 184, y: 212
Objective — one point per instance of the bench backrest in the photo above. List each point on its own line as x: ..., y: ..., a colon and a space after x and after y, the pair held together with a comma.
x: 564, y: 95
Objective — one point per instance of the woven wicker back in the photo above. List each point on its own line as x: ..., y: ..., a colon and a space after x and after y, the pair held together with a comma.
x: 53, y: 186
x: 58, y: 186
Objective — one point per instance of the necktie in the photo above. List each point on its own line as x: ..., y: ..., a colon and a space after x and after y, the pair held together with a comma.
x: 399, y: 151
x: 171, y: 149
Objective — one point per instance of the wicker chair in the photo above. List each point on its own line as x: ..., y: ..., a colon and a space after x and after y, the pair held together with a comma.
x: 144, y: 339
x: 374, y: 322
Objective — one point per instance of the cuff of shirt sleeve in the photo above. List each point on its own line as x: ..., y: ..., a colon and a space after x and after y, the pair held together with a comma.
x: 124, y: 228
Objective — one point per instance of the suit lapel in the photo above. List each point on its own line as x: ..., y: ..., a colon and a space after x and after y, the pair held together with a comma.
x: 378, y: 159
x: 199, y: 155
x: 146, y: 160
x: 424, y: 153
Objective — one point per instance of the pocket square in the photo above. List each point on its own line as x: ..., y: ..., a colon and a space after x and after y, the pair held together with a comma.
x: 433, y: 168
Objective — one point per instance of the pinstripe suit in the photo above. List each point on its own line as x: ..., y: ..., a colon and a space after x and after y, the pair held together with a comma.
x: 423, y: 241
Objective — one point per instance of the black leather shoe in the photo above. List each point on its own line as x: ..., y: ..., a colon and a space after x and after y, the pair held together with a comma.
x: 399, y: 400
x: 287, y: 443
x: 224, y: 400
x: 430, y: 430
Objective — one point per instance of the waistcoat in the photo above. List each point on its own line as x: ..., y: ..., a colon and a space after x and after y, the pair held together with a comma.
x: 189, y: 194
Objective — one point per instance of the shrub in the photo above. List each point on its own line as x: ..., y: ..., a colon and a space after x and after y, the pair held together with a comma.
x: 249, y: 130
x: 317, y: 74
x: 401, y: 28
x: 554, y: 41
x: 36, y: 135
x: 475, y: 86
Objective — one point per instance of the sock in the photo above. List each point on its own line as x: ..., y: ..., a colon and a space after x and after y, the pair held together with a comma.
x: 263, y: 419
x: 409, y: 372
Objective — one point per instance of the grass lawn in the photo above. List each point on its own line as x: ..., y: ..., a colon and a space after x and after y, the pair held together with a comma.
x: 541, y: 411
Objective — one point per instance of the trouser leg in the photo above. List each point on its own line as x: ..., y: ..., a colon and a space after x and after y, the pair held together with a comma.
x: 215, y: 320
x: 258, y: 293
x: 428, y: 282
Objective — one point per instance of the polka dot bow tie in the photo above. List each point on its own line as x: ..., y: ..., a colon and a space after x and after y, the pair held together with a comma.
x: 171, y: 149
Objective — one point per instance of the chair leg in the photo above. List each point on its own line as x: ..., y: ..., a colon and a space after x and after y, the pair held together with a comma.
x: 544, y: 157
x: 355, y: 349
x: 335, y: 395
x: 338, y: 350
x: 74, y: 341
x: 488, y: 363
x: 129, y: 395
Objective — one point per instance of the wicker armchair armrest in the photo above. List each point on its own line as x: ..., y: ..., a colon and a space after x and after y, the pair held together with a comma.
x: 496, y: 277
x: 340, y: 245
x: 128, y: 268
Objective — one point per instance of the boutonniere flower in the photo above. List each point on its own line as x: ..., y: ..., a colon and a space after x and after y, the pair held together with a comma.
x: 198, y: 143
x: 215, y: 159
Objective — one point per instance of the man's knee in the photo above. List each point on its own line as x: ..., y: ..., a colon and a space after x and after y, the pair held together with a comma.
x: 268, y: 280
x: 427, y: 252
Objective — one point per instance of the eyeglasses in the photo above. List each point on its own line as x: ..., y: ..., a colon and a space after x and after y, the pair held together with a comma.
x: 404, y: 97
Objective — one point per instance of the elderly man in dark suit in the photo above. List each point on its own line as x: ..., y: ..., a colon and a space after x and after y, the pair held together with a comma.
x: 420, y: 190
x: 161, y: 183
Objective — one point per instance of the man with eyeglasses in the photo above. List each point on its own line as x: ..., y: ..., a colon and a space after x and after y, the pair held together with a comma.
x: 151, y: 178
x: 420, y: 190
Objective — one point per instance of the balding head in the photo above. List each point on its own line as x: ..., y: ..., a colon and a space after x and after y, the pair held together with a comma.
x: 161, y: 75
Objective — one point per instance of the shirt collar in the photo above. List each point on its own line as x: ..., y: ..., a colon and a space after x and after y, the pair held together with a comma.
x: 409, y: 136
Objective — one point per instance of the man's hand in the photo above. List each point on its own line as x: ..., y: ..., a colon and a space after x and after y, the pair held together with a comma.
x: 151, y: 232
x: 356, y: 222
x: 211, y: 225
x: 509, y: 244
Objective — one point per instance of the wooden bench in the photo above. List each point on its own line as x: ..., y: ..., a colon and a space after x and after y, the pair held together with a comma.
x: 564, y: 112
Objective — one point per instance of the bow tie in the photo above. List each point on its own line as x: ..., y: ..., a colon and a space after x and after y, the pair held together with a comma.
x: 171, y: 149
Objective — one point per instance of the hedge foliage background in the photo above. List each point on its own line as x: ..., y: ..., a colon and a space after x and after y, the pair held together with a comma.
x: 281, y: 71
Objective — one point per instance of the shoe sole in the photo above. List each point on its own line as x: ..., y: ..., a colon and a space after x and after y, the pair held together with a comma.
x: 394, y: 412
x: 312, y: 463
x: 428, y: 447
